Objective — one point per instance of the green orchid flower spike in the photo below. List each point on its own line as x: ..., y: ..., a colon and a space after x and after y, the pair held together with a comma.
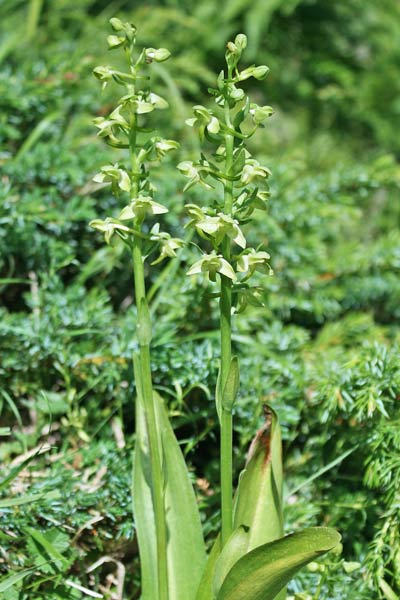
x: 170, y: 539
x: 237, y: 177
x: 245, y: 560
x: 251, y: 558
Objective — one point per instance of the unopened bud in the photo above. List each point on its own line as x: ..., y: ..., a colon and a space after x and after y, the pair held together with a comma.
x: 116, y: 24
x: 260, y: 72
x: 313, y: 567
x: 241, y: 41
x: 159, y: 54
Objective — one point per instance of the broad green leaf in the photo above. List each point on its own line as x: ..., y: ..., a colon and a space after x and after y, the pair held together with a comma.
x: 185, y: 548
x: 265, y: 571
x: 258, y: 501
x: 142, y: 500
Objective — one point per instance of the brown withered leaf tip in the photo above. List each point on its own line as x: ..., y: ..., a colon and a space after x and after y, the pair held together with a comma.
x: 262, y: 437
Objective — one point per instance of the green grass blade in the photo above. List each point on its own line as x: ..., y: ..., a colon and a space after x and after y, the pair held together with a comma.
x: 12, y: 405
x: 52, y: 552
x: 37, y: 133
x: 387, y: 591
x: 28, y: 498
x: 321, y: 471
x: 11, y: 580
x: 16, y: 470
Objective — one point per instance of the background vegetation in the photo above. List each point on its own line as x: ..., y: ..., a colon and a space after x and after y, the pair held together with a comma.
x: 323, y: 350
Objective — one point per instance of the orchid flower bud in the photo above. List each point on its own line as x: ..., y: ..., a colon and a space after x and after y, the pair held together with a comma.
x: 159, y: 54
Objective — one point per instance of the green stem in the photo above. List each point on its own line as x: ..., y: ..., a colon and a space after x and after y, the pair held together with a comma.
x: 319, y: 588
x: 146, y: 387
x: 35, y: 8
x: 149, y: 400
x: 226, y: 354
x: 226, y: 415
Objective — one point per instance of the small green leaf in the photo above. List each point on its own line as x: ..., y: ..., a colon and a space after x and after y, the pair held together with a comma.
x: 143, y: 327
x: 263, y: 572
x: 239, y: 162
x: 218, y: 395
x: 231, y: 386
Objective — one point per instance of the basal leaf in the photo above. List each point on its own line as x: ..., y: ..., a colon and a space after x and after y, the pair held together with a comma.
x: 143, y: 502
x: 258, y: 501
x: 185, y: 547
x: 205, y: 589
x: 265, y: 571
x: 236, y: 546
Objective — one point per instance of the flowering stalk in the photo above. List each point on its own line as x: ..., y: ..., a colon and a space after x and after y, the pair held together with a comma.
x: 253, y: 560
x: 225, y: 305
x: 124, y: 128
x: 239, y: 177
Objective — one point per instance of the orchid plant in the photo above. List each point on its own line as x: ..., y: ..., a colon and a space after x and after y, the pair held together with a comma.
x: 251, y: 559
